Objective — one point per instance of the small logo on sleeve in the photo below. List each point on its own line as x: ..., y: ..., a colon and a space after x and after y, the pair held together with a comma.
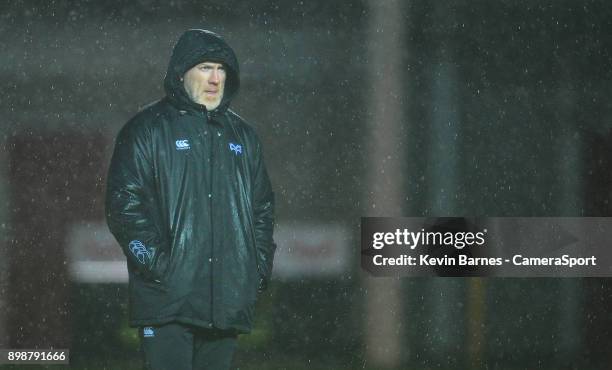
x: 236, y: 148
x: 182, y: 144
x: 148, y: 332
x: 139, y: 251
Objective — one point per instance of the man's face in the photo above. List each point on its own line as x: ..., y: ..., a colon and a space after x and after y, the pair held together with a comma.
x: 204, y: 84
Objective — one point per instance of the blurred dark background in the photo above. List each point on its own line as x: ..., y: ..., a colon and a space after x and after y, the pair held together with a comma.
x: 365, y: 108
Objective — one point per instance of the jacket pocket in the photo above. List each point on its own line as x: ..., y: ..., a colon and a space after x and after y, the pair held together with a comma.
x: 141, y: 284
x: 159, y: 266
x: 157, y: 285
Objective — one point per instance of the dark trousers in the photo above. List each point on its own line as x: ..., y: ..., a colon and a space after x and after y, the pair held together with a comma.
x: 181, y: 347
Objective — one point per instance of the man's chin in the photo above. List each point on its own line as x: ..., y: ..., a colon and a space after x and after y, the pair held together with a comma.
x: 210, y: 105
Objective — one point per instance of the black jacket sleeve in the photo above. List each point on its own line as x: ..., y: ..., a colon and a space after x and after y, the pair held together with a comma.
x: 263, y: 209
x: 131, y: 201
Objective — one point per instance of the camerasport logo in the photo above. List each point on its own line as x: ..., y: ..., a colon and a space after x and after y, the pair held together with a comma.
x: 182, y: 144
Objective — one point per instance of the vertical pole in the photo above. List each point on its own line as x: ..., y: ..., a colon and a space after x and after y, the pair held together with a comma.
x: 4, y: 231
x: 475, y: 319
x: 443, y: 154
x: 385, y: 123
x: 443, y: 148
x: 569, y: 156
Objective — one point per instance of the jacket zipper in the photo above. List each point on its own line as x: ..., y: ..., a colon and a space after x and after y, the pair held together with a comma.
x: 210, y: 212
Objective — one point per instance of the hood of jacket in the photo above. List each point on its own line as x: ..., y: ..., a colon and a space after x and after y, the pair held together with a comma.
x: 193, y: 47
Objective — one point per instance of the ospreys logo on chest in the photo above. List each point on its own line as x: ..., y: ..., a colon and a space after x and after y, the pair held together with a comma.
x: 236, y: 148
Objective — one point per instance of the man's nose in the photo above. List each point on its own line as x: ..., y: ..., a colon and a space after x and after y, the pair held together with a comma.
x: 214, y: 76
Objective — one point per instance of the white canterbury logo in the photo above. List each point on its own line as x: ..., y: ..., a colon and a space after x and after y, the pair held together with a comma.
x: 182, y: 144
x: 148, y: 332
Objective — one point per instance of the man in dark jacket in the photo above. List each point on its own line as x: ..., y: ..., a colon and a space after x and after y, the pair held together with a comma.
x: 190, y: 202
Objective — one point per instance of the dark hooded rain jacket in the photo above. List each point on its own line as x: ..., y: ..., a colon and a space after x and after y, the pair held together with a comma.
x: 190, y: 202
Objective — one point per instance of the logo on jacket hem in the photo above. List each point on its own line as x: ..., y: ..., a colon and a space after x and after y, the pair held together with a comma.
x: 236, y: 148
x: 139, y: 251
x: 148, y: 332
x: 182, y: 144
